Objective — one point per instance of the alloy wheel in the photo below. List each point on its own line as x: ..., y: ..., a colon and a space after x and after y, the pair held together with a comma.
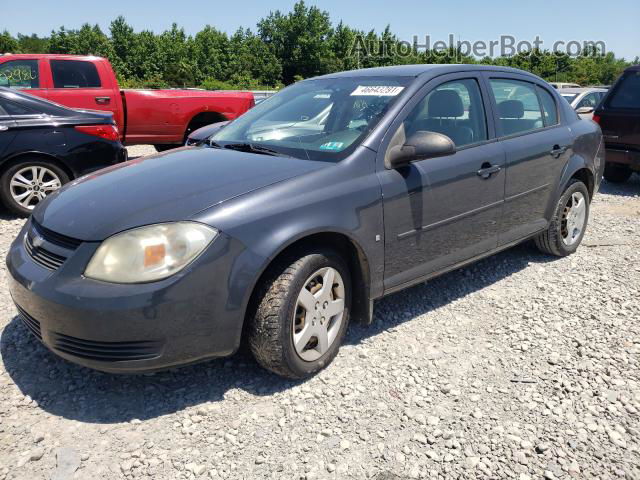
x: 318, y: 314
x: 573, y: 218
x: 30, y: 185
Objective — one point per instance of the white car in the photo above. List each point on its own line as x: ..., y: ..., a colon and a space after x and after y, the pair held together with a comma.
x: 560, y: 85
x: 583, y: 100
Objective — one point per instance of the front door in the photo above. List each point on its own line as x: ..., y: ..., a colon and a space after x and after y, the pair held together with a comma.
x: 79, y: 84
x: 440, y: 212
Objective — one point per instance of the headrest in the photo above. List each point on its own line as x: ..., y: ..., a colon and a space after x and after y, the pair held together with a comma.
x: 445, y: 103
x: 511, y: 109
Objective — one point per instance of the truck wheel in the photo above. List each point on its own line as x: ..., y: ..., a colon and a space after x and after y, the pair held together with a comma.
x: 568, y: 224
x: 166, y: 146
x: 27, y: 183
x: 617, y: 173
x: 301, y: 314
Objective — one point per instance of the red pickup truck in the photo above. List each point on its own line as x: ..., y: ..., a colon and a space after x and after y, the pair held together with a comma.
x: 163, y: 118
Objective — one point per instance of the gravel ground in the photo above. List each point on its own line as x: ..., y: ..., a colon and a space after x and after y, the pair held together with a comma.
x: 521, y: 366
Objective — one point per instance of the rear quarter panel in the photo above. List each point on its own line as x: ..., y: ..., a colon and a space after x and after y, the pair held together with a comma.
x: 162, y: 116
x: 587, y: 152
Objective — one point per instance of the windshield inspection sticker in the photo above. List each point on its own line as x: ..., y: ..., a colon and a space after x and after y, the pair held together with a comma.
x: 332, y: 146
x: 376, y: 91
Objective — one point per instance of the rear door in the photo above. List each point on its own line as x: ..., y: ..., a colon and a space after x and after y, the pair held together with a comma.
x: 23, y: 74
x: 537, y: 147
x: 84, y: 84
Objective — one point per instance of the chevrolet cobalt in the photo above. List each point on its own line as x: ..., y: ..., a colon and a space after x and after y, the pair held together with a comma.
x: 288, y: 222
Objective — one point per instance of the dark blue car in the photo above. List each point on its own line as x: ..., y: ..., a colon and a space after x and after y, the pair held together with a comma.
x: 288, y: 223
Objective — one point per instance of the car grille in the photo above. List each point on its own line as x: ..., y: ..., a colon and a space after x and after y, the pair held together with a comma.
x: 31, y: 323
x: 106, y: 351
x: 40, y: 254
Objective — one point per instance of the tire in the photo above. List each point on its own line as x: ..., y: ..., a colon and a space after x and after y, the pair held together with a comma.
x: 280, y: 317
x: 560, y: 239
x: 51, y: 178
x: 617, y: 173
x: 166, y: 146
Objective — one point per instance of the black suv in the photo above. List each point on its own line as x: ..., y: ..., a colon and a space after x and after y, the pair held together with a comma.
x: 619, y: 117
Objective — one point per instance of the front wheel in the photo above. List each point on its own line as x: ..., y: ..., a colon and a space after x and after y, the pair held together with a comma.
x: 302, y: 314
x: 27, y: 183
x: 569, y: 222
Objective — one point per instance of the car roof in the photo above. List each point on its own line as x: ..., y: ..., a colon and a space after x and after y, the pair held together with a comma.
x: 633, y: 68
x: 581, y: 90
x: 50, y: 56
x: 422, y: 69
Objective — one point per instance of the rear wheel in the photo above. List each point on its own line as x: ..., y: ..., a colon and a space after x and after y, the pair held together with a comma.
x: 27, y: 183
x: 617, y: 173
x: 302, y: 314
x: 569, y: 222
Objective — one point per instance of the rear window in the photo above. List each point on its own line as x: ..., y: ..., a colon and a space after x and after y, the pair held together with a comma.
x: 19, y: 74
x: 627, y: 92
x: 74, y: 74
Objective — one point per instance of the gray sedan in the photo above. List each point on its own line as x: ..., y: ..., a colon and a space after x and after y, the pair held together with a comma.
x: 283, y: 238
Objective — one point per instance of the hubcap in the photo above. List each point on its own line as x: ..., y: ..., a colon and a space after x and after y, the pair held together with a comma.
x: 30, y: 185
x: 318, y: 314
x: 573, y: 218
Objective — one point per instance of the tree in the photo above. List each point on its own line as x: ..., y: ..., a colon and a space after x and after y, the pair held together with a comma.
x: 8, y: 44
x: 300, y: 39
x: 211, y: 54
x: 123, y: 40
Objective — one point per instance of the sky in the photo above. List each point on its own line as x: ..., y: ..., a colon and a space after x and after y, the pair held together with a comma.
x: 468, y: 20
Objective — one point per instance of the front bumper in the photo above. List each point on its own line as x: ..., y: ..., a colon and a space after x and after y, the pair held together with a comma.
x: 186, y: 318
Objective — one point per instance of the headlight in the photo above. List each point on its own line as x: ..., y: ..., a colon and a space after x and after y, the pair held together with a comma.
x: 149, y: 253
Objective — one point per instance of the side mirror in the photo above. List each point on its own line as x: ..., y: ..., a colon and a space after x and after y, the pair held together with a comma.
x: 584, y: 110
x: 419, y: 146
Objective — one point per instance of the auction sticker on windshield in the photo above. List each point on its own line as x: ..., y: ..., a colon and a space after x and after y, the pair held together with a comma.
x: 332, y: 146
x: 376, y: 91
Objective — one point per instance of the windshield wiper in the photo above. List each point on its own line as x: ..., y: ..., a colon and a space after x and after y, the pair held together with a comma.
x: 250, y: 147
x: 213, y: 144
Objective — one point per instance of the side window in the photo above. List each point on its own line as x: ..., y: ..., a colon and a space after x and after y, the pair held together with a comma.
x: 15, y: 109
x: 590, y: 100
x: 74, y: 74
x: 3, y: 112
x: 518, y: 107
x: 454, y: 109
x: 19, y: 74
x: 549, y: 109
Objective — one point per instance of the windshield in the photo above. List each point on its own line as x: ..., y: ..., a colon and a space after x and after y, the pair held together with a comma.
x: 323, y: 119
x: 569, y: 97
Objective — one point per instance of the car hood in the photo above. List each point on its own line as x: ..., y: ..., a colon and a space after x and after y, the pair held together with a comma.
x: 162, y: 188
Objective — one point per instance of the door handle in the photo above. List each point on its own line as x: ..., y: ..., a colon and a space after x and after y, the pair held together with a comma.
x: 3, y: 128
x: 487, y: 170
x: 103, y: 100
x: 557, y: 150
